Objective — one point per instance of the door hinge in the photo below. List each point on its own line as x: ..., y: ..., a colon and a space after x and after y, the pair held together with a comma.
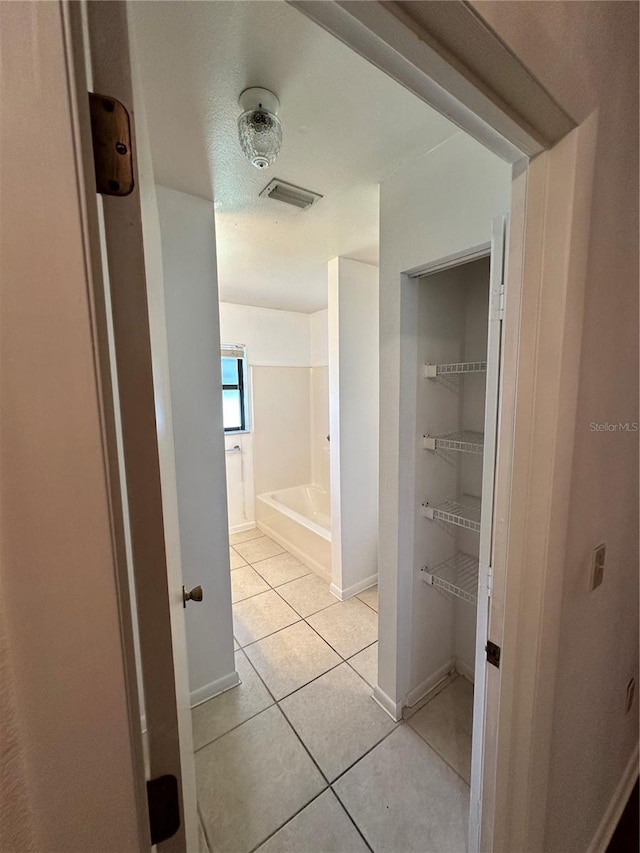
x: 489, y: 580
x: 164, y: 807
x: 493, y: 653
x: 497, y: 310
x: 111, y: 136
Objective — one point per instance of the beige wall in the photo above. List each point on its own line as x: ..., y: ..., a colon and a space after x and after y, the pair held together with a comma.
x: 57, y: 573
x: 586, y: 55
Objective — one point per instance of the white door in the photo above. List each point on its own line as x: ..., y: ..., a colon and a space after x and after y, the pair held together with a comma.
x: 494, y: 337
x: 102, y: 64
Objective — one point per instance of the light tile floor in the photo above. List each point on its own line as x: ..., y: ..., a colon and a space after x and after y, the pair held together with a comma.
x: 298, y: 758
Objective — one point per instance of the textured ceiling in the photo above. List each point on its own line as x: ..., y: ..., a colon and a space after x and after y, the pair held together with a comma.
x: 346, y: 126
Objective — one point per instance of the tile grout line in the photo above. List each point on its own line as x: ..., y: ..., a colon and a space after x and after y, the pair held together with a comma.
x: 288, y: 821
x: 395, y: 728
x: 331, y: 784
x: 306, y: 620
x: 440, y: 756
x: 352, y: 819
x: 201, y: 824
x: 324, y: 778
x: 365, y: 604
x: 304, y: 746
x: 275, y: 589
x: 276, y: 703
x: 279, y: 554
x: 242, y: 648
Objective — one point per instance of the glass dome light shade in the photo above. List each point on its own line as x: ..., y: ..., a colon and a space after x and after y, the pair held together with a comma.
x: 260, y: 137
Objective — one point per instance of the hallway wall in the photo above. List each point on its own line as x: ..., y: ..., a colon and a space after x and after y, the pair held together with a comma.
x: 353, y: 416
x: 432, y: 207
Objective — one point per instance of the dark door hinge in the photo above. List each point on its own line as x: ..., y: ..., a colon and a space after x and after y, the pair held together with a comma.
x: 111, y: 135
x: 493, y: 653
x: 164, y: 807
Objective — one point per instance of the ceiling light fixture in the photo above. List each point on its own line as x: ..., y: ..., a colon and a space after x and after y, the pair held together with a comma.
x: 259, y: 127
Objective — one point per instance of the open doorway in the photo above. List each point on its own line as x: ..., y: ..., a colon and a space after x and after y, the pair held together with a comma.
x: 298, y: 354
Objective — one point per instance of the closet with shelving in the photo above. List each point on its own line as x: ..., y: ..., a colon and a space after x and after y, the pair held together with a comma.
x: 453, y: 328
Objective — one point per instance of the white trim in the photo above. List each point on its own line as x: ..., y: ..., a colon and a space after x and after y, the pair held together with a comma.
x: 375, y: 33
x: 492, y: 407
x: 457, y: 259
x: 239, y: 528
x: 393, y: 709
x: 613, y: 812
x: 430, y: 684
x: 465, y: 670
x: 354, y: 589
x: 293, y: 549
x: 220, y: 685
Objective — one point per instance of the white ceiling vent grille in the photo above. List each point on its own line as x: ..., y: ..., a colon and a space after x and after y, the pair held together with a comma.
x: 290, y: 194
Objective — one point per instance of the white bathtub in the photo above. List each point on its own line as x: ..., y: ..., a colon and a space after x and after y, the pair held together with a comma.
x: 300, y: 520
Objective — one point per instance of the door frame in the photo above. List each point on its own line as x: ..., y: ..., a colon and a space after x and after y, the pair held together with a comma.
x: 137, y: 430
x: 410, y: 283
x: 546, y: 261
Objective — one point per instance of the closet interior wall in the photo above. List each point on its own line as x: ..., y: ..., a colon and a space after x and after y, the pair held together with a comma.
x: 452, y: 329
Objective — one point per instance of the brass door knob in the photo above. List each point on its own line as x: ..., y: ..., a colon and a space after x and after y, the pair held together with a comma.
x: 194, y: 594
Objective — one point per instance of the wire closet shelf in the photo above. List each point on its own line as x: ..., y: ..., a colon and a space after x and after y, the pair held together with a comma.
x: 454, y: 369
x: 458, y: 575
x: 463, y: 513
x: 461, y: 442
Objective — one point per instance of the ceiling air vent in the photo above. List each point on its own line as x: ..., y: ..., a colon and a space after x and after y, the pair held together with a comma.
x: 290, y: 194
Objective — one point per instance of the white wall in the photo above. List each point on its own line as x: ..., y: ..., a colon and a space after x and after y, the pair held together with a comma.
x: 320, y: 429
x: 67, y: 752
x: 277, y: 339
x: 282, y: 427
x: 433, y: 207
x: 191, y: 305
x: 320, y: 447
x: 273, y: 338
x: 353, y: 416
x: 586, y: 55
x: 319, y: 338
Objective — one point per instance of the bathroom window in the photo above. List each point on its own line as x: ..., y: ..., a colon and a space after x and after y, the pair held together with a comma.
x: 234, y: 388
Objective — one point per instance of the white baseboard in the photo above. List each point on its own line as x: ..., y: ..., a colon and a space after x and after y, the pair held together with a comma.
x: 203, y: 694
x: 238, y: 528
x: 393, y: 709
x: 314, y: 565
x: 614, y: 810
x: 466, y: 670
x: 354, y: 589
x: 429, y: 684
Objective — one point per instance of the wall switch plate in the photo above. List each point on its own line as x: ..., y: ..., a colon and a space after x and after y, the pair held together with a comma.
x: 631, y: 691
x: 597, y: 566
